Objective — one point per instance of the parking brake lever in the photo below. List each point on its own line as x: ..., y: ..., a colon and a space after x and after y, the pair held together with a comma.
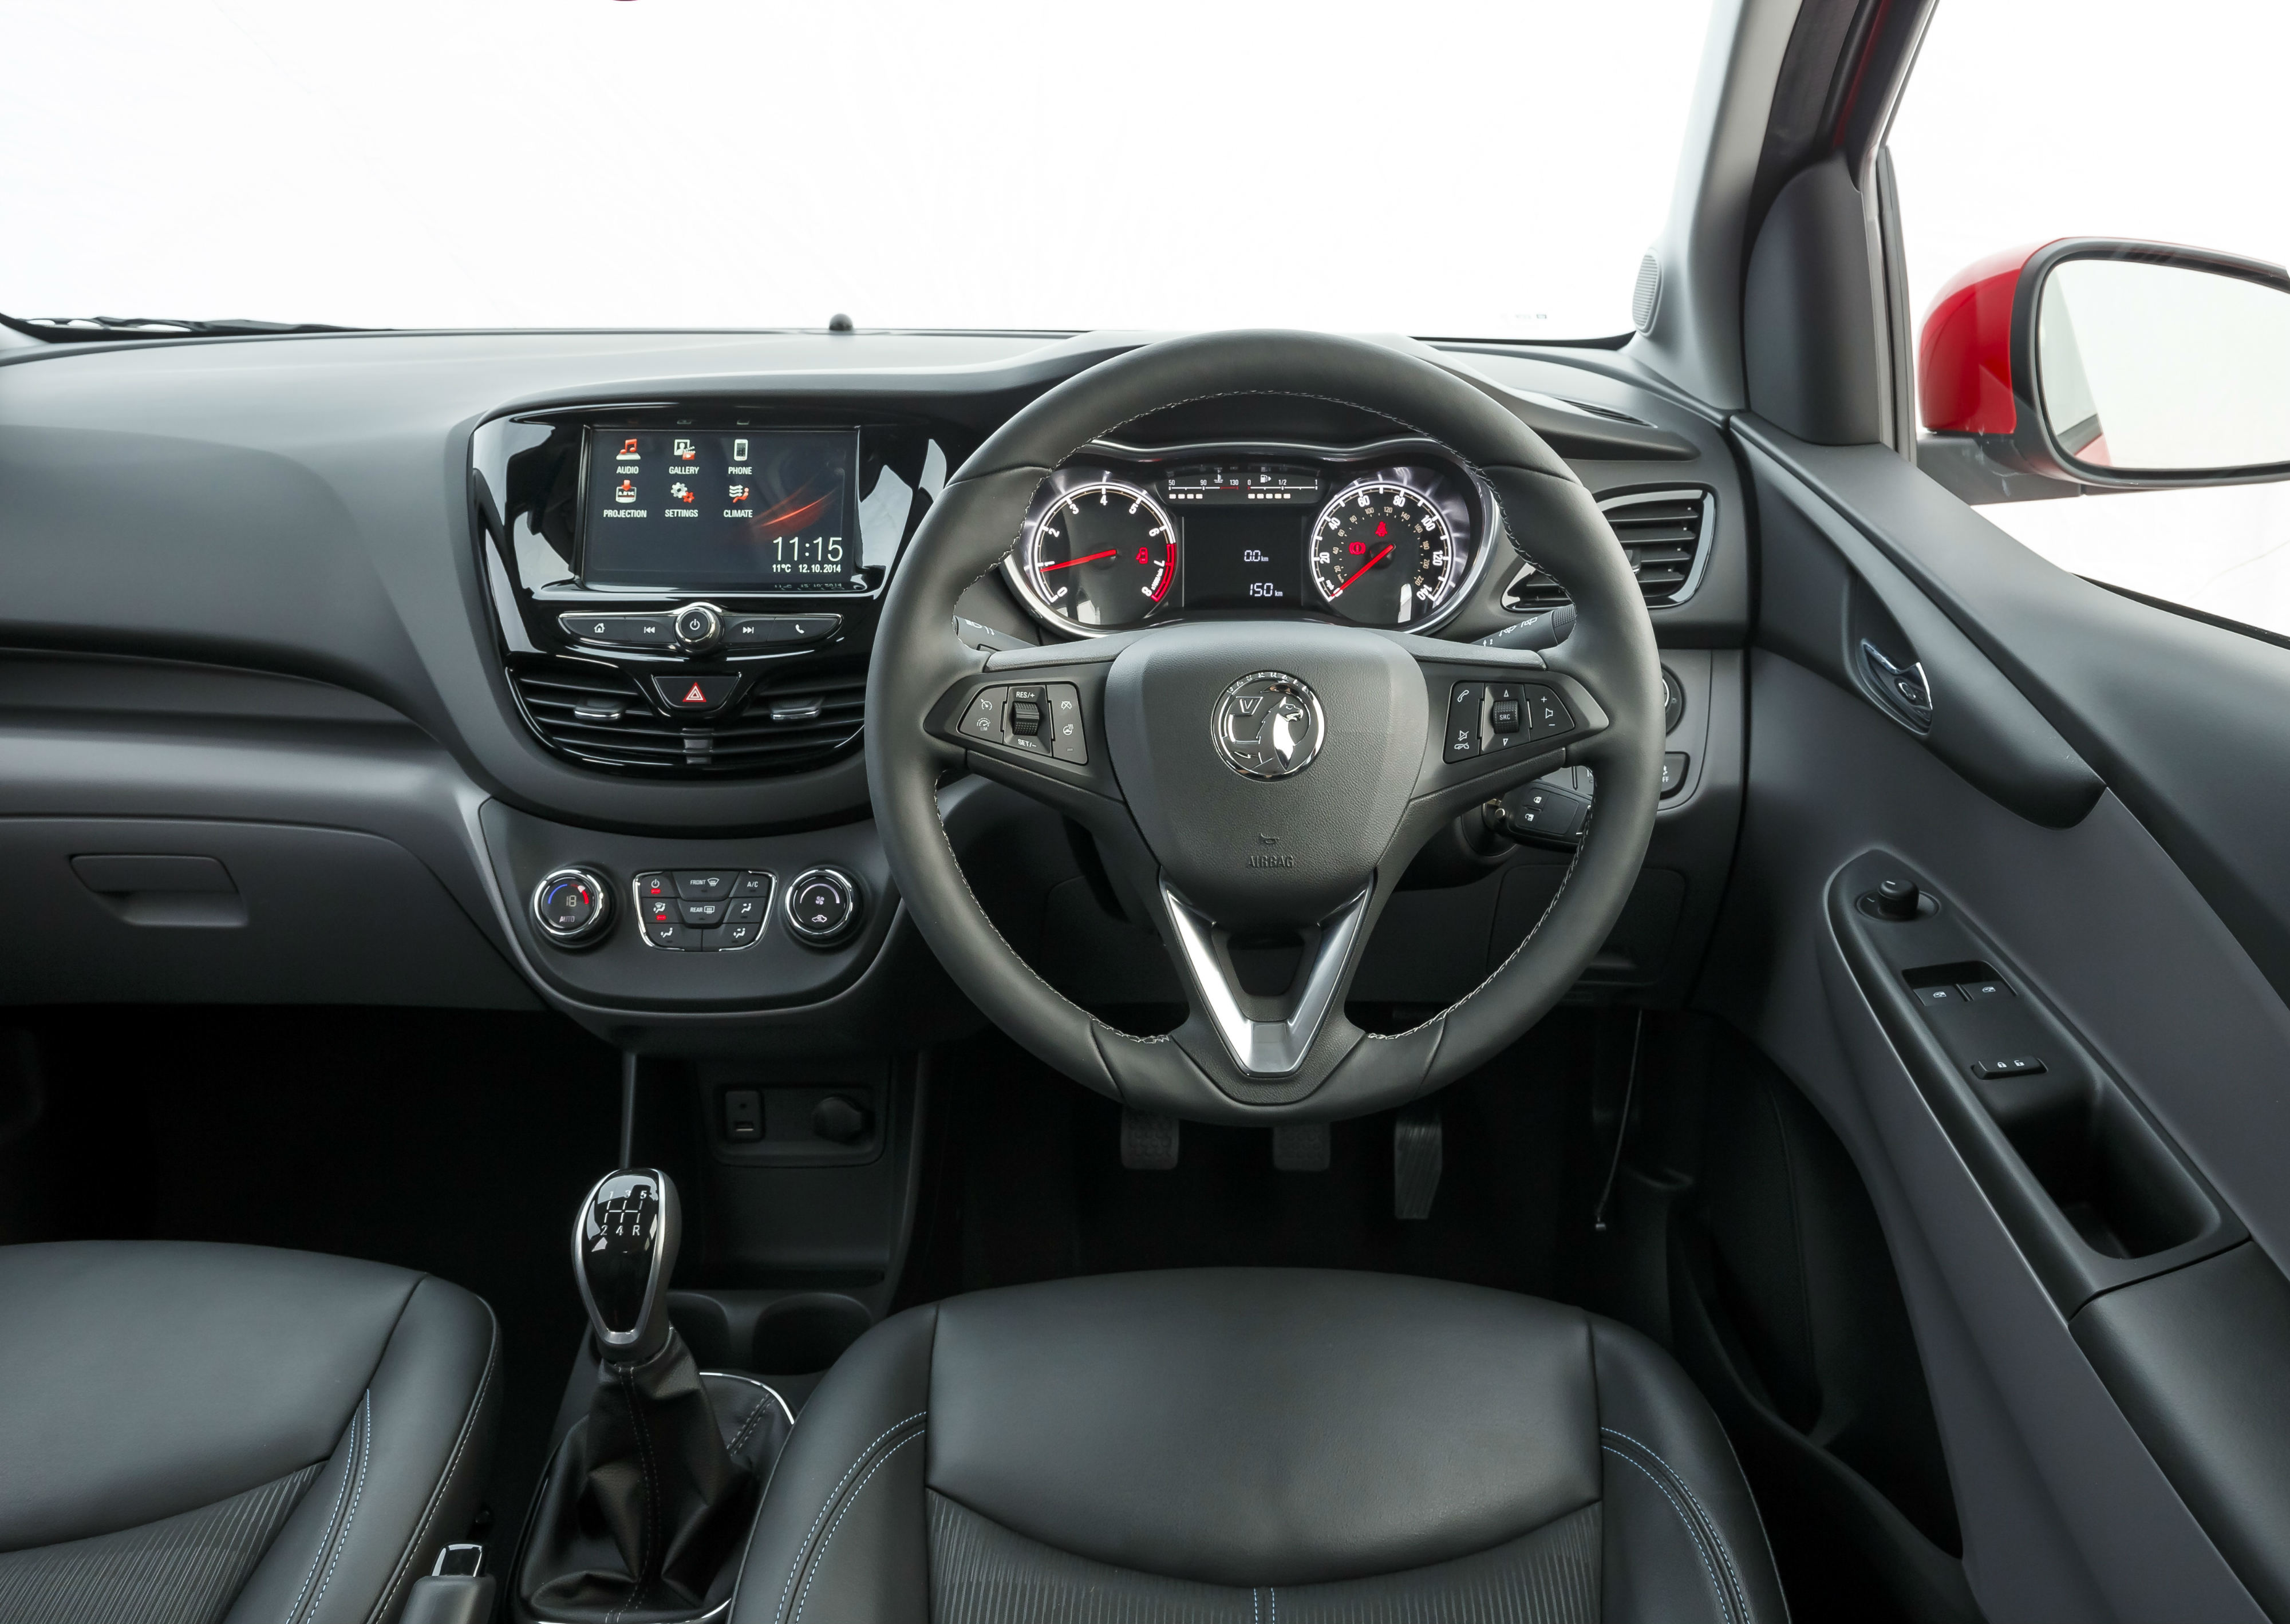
x: 624, y: 1244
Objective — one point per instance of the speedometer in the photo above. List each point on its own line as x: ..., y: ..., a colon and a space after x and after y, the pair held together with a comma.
x: 1104, y: 554
x: 1384, y: 554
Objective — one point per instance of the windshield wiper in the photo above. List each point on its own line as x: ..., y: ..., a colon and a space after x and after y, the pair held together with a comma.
x: 75, y: 329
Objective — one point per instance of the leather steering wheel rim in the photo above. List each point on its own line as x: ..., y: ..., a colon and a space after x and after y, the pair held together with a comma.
x: 1609, y: 663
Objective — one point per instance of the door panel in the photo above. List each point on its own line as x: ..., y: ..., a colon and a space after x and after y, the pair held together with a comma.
x: 2065, y: 1512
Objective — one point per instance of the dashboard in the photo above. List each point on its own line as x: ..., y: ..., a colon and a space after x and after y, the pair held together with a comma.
x: 423, y: 668
x: 1389, y: 533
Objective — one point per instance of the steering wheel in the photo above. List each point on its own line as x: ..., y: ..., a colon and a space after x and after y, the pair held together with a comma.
x: 1244, y: 776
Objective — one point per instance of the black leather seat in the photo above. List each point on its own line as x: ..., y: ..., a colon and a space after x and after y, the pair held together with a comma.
x: 194, y: 1432
x: 1256, y: 1447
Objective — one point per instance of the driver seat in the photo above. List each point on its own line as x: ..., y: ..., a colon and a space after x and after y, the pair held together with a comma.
x: 1256, y: 1447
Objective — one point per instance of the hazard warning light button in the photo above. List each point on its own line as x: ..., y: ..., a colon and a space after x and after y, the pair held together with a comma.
x: 698, y: 694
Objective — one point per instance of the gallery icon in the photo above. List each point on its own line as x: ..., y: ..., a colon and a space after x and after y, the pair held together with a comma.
x: 625, y: 491
x: 680, y: 491
x: 739, y: 451
x: 738, y: 493
x: 684, y: 451
x: 628, y: 446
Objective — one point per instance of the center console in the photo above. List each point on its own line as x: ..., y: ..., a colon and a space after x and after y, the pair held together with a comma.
x: 688, y: 589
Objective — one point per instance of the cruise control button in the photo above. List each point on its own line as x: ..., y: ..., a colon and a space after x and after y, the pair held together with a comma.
x: 703, y: 884
x: 1068, y: 742
x: 984, y: 719
x: 698, y: 694
x: 703, y: 913
x: 620, y: 630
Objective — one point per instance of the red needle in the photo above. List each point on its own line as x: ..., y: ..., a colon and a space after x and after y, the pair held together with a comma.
x: 1093, y: 558
x: 1363, y: 568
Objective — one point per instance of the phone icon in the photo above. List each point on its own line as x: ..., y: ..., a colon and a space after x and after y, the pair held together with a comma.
x: 739, y: 451
x: 628, y: 446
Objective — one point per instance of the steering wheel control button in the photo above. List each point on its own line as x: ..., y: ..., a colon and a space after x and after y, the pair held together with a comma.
x: 1028, y: 711
x: 571, y: 905
x: 697, y: 694
x: 984, y: 719
x: 823, y: 906
x: 1068, y: 741
x: 627, y: 631
x: 1463, y: 704
x: 698, y: 625
x: 1270, y: 725
x: 1546, y: 712
x: 704, y: 885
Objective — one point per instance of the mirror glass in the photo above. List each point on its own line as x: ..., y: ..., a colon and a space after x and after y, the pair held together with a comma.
x: 2163, y: 368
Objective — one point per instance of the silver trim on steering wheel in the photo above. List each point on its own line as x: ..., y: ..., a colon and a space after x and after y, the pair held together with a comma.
x: 1266, y: 1048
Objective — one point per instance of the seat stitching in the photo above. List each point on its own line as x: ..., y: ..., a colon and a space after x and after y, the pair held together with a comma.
x: 829, y: 1505
x: 746, y: 1428
x: 818, y: 1560
x: 1701, y: 1545
x: 358, y: 1495
x: 1273, y: 1590
x: 437, y: 1497
x: 325, y: 1539
x: 1716, y: 1534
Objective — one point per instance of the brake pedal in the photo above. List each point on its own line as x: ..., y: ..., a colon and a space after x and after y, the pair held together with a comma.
x: 1418, y: 1155
x: 1149, y: 1143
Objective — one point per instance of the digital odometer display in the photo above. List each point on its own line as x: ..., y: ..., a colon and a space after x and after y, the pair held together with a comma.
x: 731, y: 510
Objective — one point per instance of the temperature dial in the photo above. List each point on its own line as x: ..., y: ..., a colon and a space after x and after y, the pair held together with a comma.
x: 571, y: 905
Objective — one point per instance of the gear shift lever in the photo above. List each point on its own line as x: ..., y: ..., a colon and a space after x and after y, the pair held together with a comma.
x: 624, y: 1244
x: 644, y: 1509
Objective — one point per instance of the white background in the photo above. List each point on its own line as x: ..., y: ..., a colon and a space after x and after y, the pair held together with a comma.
x: 1447, y: 167
x: 2027, y: 120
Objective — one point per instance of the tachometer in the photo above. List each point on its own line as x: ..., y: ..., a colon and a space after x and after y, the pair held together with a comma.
x: 1104, y: 554
x: 1384, y: 553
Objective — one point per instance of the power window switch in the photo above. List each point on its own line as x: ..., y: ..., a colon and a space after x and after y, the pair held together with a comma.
x: 743, y: 1114
x: 1939, y: 997
x: 2018, y: 1065
x: 1975, y: 992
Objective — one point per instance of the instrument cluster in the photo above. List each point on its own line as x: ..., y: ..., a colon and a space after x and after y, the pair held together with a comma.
x: 1387, y: 534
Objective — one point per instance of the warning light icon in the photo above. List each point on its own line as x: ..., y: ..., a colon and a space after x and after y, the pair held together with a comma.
x: 696, y: 697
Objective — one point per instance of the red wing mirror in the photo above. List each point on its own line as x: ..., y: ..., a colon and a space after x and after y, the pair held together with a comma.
x: 2117, y: 364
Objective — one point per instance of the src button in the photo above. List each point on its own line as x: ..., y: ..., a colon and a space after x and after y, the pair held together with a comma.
x: 823, y: 906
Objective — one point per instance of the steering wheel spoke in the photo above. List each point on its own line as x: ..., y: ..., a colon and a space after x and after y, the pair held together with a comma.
x: 1266, y: 1034
x: 1034, y: 720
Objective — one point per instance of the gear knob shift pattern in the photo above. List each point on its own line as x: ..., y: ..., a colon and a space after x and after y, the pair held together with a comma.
x: 624, y: 1246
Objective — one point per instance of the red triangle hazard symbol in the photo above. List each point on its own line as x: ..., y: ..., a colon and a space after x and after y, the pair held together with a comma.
x: 695, y: 697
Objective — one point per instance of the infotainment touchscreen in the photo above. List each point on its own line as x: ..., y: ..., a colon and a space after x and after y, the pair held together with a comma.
x: 723, y: 510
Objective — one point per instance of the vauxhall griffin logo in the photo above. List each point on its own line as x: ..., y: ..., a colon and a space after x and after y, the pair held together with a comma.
x: 1268, y: 724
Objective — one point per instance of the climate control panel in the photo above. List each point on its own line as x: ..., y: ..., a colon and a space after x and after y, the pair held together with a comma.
x: 703, y: 910
x: 699, y: 910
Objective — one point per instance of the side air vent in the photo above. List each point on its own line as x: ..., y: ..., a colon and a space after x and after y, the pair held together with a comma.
x: 597, y: 716
x: 1662, y: 531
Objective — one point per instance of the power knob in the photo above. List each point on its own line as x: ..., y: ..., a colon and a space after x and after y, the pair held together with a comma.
x: 824, y: 906
x: 698, y: 625
x: 571, y: 905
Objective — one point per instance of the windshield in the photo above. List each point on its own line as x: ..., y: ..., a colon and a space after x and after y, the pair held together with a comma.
x: 1440, y: 168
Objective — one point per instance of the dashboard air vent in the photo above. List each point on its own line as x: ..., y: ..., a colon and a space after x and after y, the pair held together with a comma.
x: 600, y: 717
x: 1661, y: 532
